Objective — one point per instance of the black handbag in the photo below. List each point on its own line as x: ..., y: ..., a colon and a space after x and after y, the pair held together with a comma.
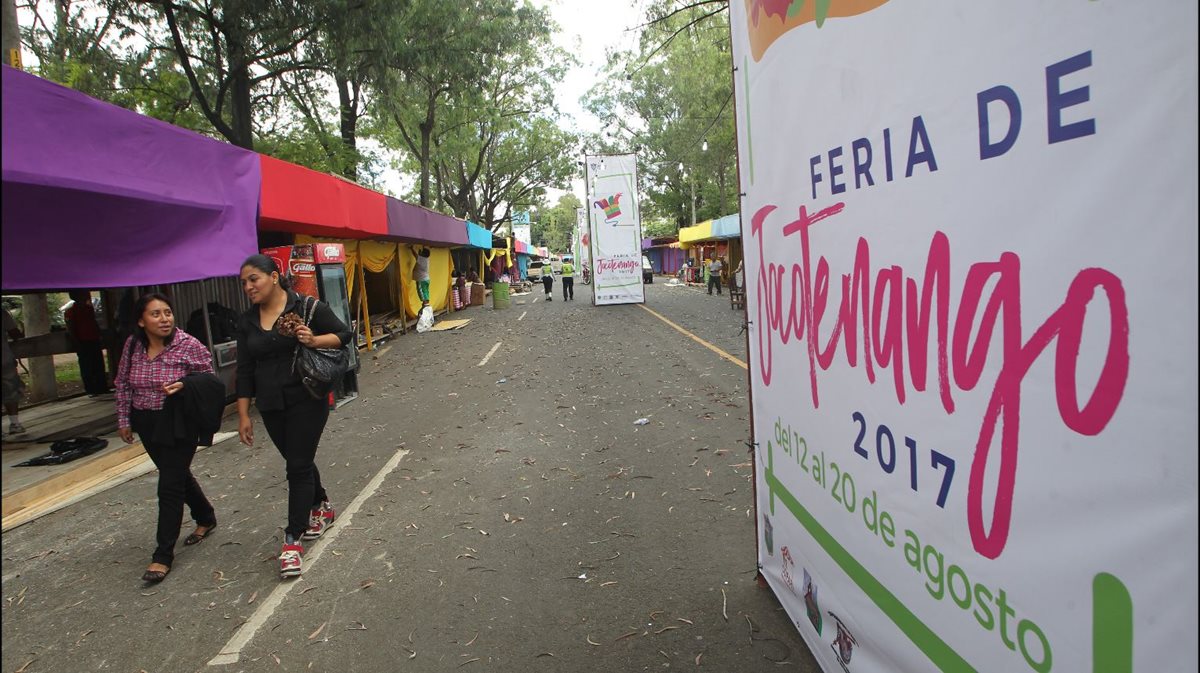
x: 319, y: 368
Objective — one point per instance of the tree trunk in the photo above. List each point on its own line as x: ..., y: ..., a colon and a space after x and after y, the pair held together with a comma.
x: 241, y: 114
x: 348, y: 105
x: 36, y: 316
x: 426, y: 140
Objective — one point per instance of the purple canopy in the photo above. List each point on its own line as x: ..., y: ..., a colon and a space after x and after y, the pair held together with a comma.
x: 409, y: 222
x: 98, y: 196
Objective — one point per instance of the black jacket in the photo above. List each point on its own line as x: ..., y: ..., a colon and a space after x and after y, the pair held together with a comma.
x: 192, y: 414
x: 264, y: 366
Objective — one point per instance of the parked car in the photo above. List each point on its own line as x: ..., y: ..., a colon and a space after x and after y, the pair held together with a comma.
x: 534, y: 272
x: 647, y: 270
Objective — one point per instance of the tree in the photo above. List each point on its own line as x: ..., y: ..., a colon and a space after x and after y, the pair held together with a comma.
x: 555, y: 225
x: 675, y: 99
x: 450, y: 48
x: 227, y: 51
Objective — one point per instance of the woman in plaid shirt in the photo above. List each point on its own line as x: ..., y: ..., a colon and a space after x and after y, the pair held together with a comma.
x: 154, y: 360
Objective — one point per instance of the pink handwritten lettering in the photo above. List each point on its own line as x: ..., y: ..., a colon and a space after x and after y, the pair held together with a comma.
x: 897, y: 320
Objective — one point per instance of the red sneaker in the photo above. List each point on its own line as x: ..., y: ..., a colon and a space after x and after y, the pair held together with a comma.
x: 291, y: 560
x: 318, y: 520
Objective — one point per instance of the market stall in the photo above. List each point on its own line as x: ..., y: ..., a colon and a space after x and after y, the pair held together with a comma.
x: 413, y: 225
x: 95, y: 195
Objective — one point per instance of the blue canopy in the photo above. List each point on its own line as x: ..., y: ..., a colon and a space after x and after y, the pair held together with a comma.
x: 729, y: 226
x: 479, y: 237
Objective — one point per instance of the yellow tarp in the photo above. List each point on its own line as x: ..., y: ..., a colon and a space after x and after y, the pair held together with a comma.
x: 699, y: 232
x: 440, y: 266
x: 376, y: 255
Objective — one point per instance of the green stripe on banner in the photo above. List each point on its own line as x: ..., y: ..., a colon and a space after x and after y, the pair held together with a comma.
x: 746, y: 116
x: 938, y: 651
x: 1112, y: 625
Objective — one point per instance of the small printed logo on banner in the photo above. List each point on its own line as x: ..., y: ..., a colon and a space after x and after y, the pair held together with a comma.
x: 843, y: 645
x: 768, y: 535
x: 811, y: 606
x: 789, y: 566
x: 768, y: 20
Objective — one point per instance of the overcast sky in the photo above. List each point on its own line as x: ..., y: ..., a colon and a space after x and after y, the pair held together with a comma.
x: 590, y: 29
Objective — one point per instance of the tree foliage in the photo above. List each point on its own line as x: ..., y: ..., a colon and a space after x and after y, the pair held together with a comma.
x: 673, y: 100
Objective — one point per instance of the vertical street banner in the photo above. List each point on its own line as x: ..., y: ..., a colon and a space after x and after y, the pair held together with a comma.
x: 970, y: 234
x: 615, y: 228
x: 581, y: 238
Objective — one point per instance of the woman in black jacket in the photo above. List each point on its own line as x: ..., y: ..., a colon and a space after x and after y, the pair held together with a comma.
x: 267, y: 339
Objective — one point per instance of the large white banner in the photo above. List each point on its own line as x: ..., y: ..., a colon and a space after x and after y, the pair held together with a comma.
x: 615, y: 228
x: 971, y: 255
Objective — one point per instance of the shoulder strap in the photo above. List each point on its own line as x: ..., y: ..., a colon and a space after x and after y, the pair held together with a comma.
x: 310, y: 307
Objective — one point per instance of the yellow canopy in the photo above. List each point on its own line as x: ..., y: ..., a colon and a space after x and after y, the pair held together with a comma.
x: 694, y: 234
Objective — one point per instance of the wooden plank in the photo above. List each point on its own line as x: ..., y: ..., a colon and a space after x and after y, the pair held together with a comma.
x: 49, y: 487
x: 86, y: 479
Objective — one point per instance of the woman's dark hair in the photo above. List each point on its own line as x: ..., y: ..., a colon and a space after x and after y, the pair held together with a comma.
x: 139, y: 308
x: 424, y: 252
x: 268, y: 266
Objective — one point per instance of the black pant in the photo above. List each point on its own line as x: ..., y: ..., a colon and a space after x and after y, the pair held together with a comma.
x: 176, y: 485
x: 568, y: 287
x: 91, y: 367
x: 548, y: 283
x: 296, y: 431
x: 714, y: 281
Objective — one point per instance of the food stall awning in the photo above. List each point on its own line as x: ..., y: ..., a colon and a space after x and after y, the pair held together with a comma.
x: 299, y: 200
x: 478, y: 237
x: 727, y: 227
x: 95, y: 195
x: 521, y: 248
x: 720, y: 229
x: 414, y: 224
x: 696, y: 233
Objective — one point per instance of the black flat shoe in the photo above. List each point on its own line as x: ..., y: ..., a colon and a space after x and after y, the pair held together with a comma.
x: 197, y: 538
x: 155, y: 576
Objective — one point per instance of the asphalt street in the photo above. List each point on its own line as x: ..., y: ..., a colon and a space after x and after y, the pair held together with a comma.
x: 496, y: 513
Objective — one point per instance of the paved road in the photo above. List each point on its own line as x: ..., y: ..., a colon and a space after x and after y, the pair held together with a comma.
x: 503, y: 517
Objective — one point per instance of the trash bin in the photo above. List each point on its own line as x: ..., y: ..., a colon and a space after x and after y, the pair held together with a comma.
x: 500, y: 295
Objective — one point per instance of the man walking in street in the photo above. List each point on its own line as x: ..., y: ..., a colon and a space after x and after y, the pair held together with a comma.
x: 714, y: 274
x: 568, y: 280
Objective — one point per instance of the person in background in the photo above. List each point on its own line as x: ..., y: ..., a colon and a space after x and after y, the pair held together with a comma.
x: 154, y: 362
x: 568, y: 280
x: 548, y: 281
x: 713, y: 274
x: 85, y: 336
x: 13, y: 385
x: 420, y: 274
x: 269, y: 333
x: 472, y: 275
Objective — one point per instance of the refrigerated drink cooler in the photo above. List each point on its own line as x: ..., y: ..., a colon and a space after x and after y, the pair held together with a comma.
x: 319, y: 270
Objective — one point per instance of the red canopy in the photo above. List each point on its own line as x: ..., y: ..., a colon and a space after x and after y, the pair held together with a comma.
x: 299, y: 200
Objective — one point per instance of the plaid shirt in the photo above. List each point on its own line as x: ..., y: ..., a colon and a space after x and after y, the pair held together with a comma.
x: 140, y: 380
